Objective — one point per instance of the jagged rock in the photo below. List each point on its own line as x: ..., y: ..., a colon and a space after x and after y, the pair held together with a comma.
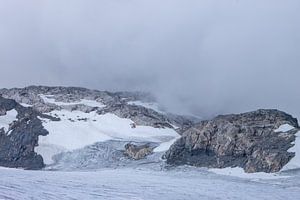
x: 17, y: 144
x: 138, y: 152
x: 245, y: 140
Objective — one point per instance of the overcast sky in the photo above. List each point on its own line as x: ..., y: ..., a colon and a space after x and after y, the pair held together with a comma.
x: 199, y: 56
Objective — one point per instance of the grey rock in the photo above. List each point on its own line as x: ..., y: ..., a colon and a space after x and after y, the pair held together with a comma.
x: 17, y: 147
x: 138, y: 152
x: 245, y: 140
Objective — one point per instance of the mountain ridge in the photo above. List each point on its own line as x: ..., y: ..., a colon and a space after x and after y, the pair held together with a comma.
x: 118, y: 124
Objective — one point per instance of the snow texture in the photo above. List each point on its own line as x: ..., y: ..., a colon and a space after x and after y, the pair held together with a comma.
x: 7, y: 119
x: 239, y: 172
x: 137, y: 184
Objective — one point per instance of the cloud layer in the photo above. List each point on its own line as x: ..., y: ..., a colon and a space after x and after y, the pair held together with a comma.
x: 200, y: 56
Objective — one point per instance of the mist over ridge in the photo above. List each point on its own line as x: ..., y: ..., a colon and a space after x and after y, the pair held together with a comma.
x: 199, y: 57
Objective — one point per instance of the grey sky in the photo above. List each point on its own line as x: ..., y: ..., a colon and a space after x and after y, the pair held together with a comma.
x: 200, y: 56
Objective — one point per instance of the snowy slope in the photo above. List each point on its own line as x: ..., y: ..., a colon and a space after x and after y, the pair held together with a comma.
x: 77, y: 129
x: 51, y: 99
x: 141, y: 184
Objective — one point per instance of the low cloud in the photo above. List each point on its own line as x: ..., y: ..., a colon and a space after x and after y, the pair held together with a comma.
x: 202, y: 57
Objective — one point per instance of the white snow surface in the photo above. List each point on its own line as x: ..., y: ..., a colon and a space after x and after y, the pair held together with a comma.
x: 151, y: 105
x: 48, y: 151
x: 91, y: 103
x: 295, y: 162
x: 140, y: 184
x: 25, y: 105
x: 284, y: 128
x: 7, y: 119
x: 165, y: 145
x: 239, y: 172
x: 78, y: 129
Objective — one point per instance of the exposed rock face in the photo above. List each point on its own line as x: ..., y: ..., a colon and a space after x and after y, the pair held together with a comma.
x: 18, y: 142
x: 245, y: 140
x: 138, y: 152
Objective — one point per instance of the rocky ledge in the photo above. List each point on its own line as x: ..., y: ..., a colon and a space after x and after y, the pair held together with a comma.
x: 121, y: 104
x: 20, y: 136
x: 248, y: 140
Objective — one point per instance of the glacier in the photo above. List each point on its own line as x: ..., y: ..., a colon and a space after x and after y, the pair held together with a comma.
x: 143, y: 184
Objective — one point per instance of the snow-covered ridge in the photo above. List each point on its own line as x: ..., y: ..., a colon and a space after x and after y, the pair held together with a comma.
x: 50, y: 99
x: 7, y: 119
x: 90, y: 116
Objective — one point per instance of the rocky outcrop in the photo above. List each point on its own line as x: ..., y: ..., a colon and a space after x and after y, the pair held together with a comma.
x: 137, y: 152
x: 18, y: 142
x: 116, y: 103
x: 246, y: 140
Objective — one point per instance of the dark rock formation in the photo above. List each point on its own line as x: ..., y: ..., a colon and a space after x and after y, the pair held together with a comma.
x: 18, y: 142
x: 245, y: 140
x: 138, y: 152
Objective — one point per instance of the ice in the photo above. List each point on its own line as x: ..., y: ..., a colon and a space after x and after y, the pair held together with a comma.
x: 140, y: 184
x: 7, y: 119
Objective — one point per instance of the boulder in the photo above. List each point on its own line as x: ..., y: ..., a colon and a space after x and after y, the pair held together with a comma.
x: 138, y: 152
x: 246, y: 140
